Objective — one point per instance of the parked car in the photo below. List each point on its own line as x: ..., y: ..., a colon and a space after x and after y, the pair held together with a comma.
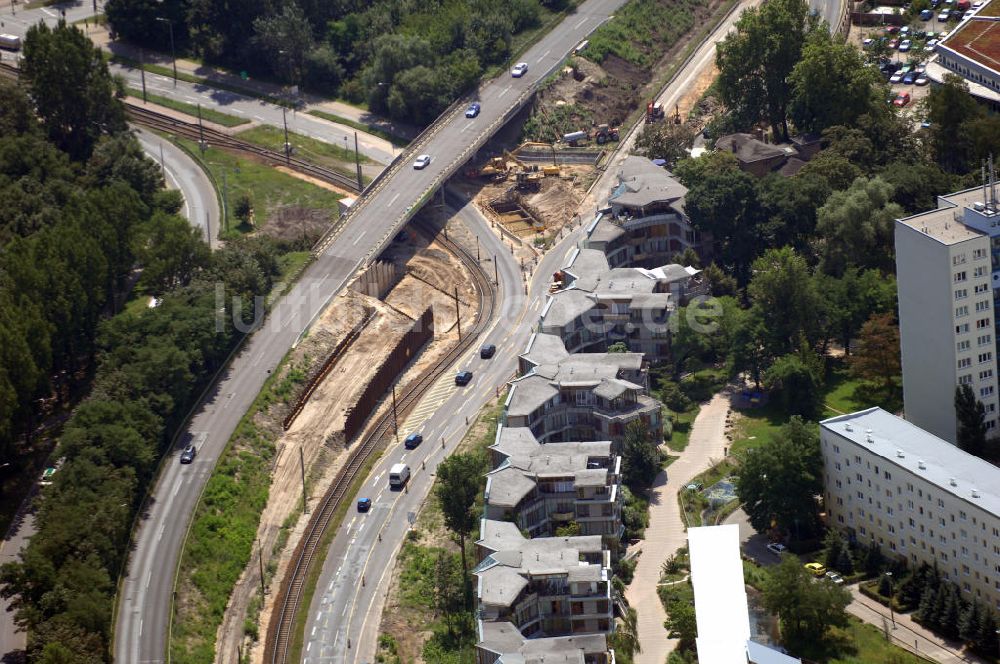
x: 776, y: 549
x: 905, y: 45
x: 473, y: 110
x: 816, y: 569
x: 868, y: 42
x: 487, y: 351
x: 929, y: 48
x: 892, y: 29
x: 189, y: 453
x: 364, y: 504
x: 897, y: 77
x: 463, y: 377
x: 413, y: 441
x: 904, y: 31
x: 834, y: 577
x: 968, y: 14
x: 519, y: 70
x: 926, y: 15
x: 901, y: 99
x: 894, y: 43
x: 943, y: 16
x: 422, y: 161
x: 921, y: 80
x: 909, y: 78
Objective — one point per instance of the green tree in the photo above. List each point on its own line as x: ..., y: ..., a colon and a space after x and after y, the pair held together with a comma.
x: 785, y: 300
x: 640, y: 457
x: 682, y: 623
x: 831, y: 86
x: 877, y: 358
x: 805, y: 609
x: 971, y: 416
x: 795, y: 384
x: 855, y: 227
x: 171, y: 251
x: 724, y: 206
x: 71, y: 87
x: 789, y: 209
x: 756, y: 61
x: 459, y: 483
x: 950, y: 110
x: 625, y: 639
x: 665, y: 140
x: 780, y: 480
x: 618, y: 347
x: 852, y: 299
x: 288, y: 37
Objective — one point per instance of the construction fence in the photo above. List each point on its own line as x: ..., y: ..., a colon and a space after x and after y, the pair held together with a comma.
x: 378, y: 280
x: 419, y: 334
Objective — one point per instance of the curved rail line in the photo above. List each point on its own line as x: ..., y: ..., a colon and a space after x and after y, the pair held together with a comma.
x: 280, y: 633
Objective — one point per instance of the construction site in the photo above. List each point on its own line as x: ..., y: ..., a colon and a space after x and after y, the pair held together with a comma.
x: 368, y: 320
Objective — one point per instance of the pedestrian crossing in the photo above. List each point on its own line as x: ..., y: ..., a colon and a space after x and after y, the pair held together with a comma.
x: 437, y: 395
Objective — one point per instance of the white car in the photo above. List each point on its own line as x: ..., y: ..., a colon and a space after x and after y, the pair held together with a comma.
x: 776, y: 549
x: 518, y: 70
x: 421, y: 161
x: 836, y: 578
x: 905, y: 46
x: 943, y: 16
x: 897, y: 77
x: 930, y: 46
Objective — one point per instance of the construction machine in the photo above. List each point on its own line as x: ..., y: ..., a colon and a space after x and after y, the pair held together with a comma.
x: 654, y: 112
x: 603, y: 133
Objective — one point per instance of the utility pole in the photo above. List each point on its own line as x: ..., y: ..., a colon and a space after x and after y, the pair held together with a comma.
x: 395, y: 422
x: 173, y: 52
x: 357, y: 162
x: 477, y: 246
x: 288, y: 146
x: 496, y: 273
x: 163, y: 169
x: 225, y: 202
x: 458, y: 315
x: 302, y: 463
x: 260, y: 559
x: 142, y: 71
x: 201, y: 131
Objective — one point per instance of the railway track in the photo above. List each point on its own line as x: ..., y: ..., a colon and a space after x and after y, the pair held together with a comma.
x: 281, y: 633
x: 159, y: 121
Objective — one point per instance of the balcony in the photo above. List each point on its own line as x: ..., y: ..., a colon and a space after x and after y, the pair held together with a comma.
x: 562, y: 516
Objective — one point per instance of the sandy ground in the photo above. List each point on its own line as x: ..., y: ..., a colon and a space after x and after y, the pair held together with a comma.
x: 316, y: 181
x: 318, y: 430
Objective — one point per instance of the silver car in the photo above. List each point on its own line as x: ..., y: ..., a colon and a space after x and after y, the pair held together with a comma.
x: 422, y: 161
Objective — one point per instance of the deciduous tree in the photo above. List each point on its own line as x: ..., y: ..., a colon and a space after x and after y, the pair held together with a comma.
x: 877, y: 357
x: 971, y: 416
x: 806, y: 609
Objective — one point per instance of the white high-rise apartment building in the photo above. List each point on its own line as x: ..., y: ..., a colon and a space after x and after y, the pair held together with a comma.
x: 916, y: 496
x: 948, y: 279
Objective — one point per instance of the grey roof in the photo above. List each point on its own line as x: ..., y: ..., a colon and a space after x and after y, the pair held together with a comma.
x: 529, y: 393
x: 578, y: 370
x: 642, y: 183
x: 605, y: 231
x: 506, y: 640
x: 613, y: 388
x: 942, y: 461
x: 748, y: 149
x: 566, y: 306
x: 500, y: 585
x: 653, y: 301
x: 791, y: 167
x: 545, y: 348
x: 507, y: 486
x: 587, y: 261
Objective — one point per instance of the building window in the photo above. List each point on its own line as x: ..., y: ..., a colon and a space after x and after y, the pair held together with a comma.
x: 963, y: 345
x: 983, y: 375
x: 984, y: 305
x: 981, y: 288
x: 980, y: 271
x: 961, y: 293
x: 984, y: 339
x: 982, y: 323
x: 978, y: 254
x: 961, y: 311
x: 965, y: 379
x: 985, y: 357
x: 986, y: 391
x: 962, y: 329
x: 964, y: 362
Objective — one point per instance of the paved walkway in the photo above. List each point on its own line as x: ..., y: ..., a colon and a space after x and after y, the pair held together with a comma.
x: 907, y: 633
x: 666, y: 533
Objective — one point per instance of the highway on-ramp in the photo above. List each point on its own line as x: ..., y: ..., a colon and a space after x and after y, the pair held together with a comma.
x: 142, y: 623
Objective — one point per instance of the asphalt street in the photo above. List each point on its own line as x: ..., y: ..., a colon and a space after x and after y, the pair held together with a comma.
x: 13, y: 642
x: 141, y: 631
x: 181, y: 172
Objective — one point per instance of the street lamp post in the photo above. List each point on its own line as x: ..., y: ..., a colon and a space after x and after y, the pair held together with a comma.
x: 892, y: 595
x: 173, y: 52
x: 288, y: 146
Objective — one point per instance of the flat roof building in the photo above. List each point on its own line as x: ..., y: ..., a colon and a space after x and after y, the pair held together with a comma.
x: 916, y: 496
x: 972, y: 51
x: 948, y: 281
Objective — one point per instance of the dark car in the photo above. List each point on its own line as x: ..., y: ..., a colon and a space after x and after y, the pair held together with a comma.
x: 487, y: 351
x: 909, y: 78
x: 364, y: 504
x: 473, y: 110
x: 926, y: 15
x: 463, y: 377
x: 413, y: 441
x: 187, y: 456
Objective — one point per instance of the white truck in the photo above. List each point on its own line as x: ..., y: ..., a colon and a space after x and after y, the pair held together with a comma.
x: 10, y: 42
x: 399, y: 475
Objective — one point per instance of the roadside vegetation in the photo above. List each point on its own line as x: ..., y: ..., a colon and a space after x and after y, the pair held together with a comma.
x: 85, y: 207
x: 318, y: 152
x: 408, y: 62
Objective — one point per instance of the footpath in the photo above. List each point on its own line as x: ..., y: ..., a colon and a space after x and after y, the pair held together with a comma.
x: 666, y: 532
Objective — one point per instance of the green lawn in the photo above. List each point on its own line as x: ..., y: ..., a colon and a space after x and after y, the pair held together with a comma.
x: 864, y: 644
x: 682, y: 423
x: 312, y: 150
x: 267, y: 187
x: 207, y: 114
x: 398, y: 141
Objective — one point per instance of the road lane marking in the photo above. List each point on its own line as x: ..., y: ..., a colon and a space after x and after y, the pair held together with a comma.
x: 393, y: 199
x: 503, y: 92
x: 582, y: 21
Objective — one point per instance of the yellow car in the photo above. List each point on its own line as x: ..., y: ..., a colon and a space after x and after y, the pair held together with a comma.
x: 816, y: 569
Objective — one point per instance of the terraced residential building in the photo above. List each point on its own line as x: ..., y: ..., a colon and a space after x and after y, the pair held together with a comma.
x: 541, y: 487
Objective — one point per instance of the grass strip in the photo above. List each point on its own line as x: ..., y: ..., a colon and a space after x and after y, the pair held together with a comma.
x: 207, y: 114
x: 220, y: 541
x: 312, y: 150
x: 398, y: 141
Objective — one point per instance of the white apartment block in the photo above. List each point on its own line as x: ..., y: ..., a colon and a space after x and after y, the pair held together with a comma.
x: 948, y: 273
x: 917, y: 496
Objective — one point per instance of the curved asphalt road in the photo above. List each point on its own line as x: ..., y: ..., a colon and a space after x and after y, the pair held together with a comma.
x: 141, y: 629
x: 201, y: 204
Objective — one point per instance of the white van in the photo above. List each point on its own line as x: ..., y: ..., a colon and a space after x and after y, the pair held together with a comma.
x: 399, y: 475
x: 10, y: 42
